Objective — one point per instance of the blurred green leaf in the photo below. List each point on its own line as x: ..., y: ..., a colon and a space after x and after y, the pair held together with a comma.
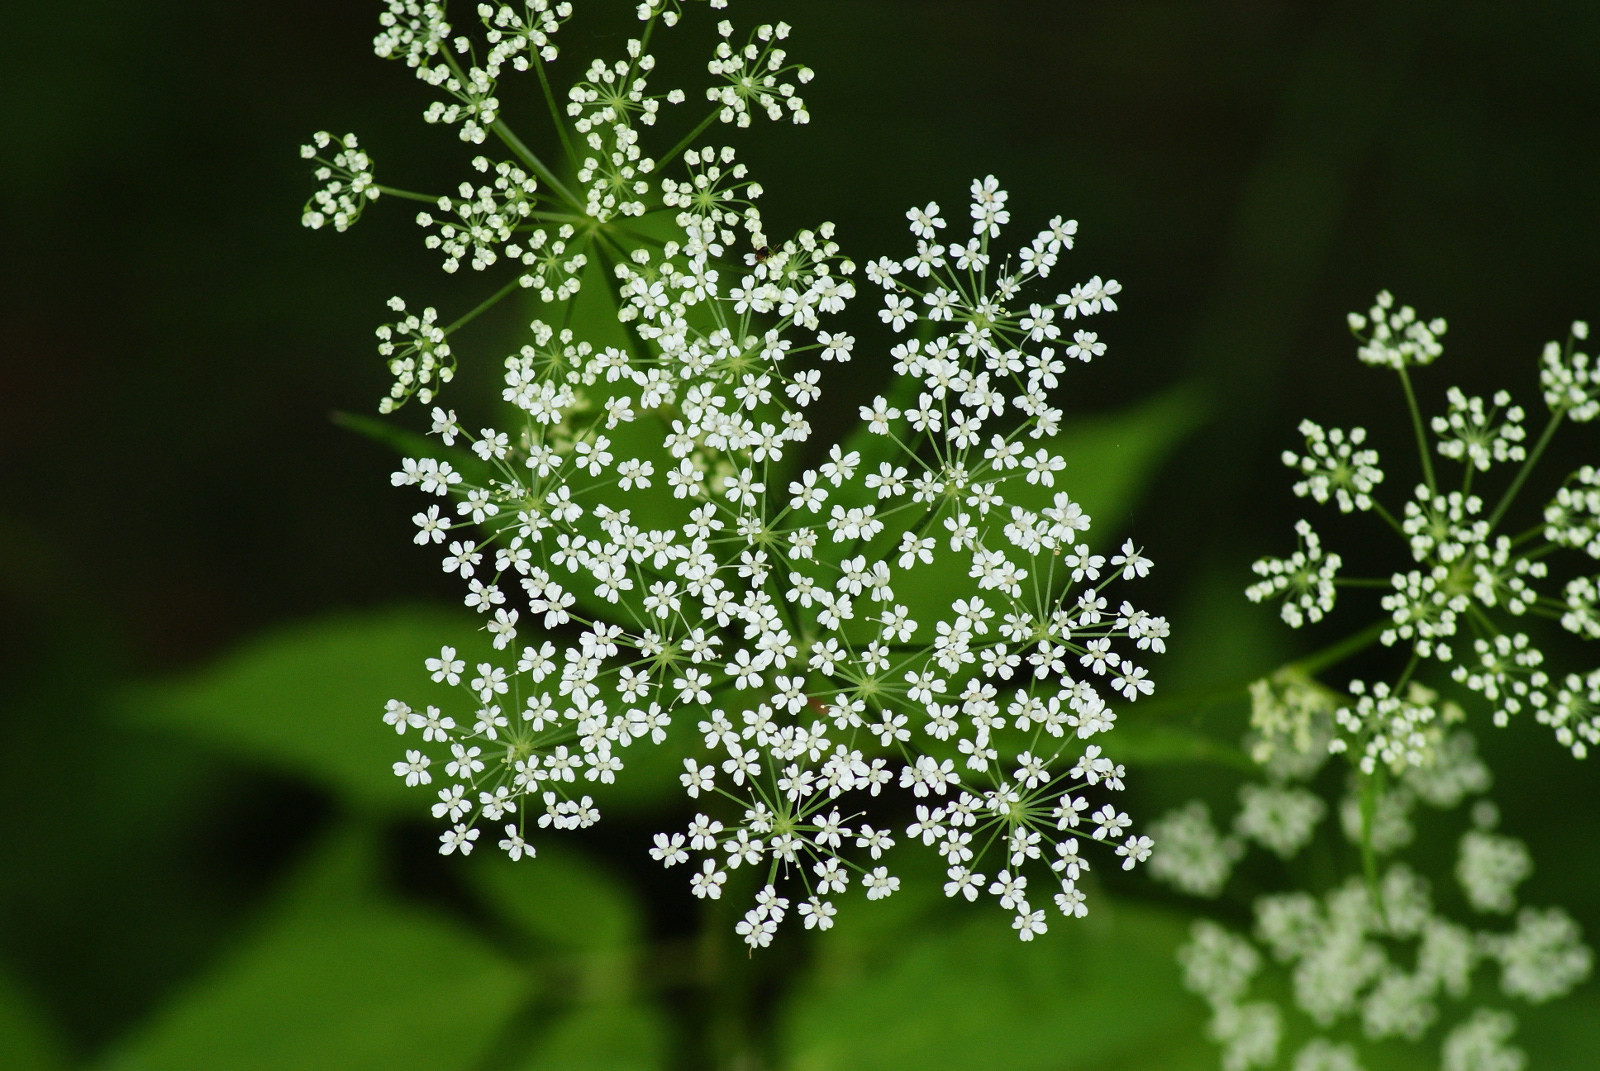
x: 1099, y: 992
x: 1140, y: 744
x: 560, y: 898
x: 1112, y: 458
x: 309, y: 698
x: 652, y: 772
x: 628, y: 1037
x: 1563, y: 1033
x: 339, y: 979
x: 407, y: 443
x: 27, y: 1042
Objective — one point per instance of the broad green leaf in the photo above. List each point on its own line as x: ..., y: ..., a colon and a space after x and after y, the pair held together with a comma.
x: 339, y: 979
x: 309, y: 699
x: 27, y: 1043
x: 1112, y: 458
x: 1091, y: 993
x: 627, y: 1037
x: 575, y: 912
x: 561, y: 898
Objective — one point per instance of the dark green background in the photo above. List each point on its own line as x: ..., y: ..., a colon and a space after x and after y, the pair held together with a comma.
x: 174, y: 342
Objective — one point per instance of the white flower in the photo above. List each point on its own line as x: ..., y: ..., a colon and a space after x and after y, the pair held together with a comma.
x: 1479, y: 1044
x: 631, y: 499
x: 1278, y: 818
x: 1189, y: 854
x: 1489, y: 868
x: 1307, y: 578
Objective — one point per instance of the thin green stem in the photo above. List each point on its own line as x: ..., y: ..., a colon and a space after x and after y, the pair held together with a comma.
x: 1531, y: 533
x: 555, y: 112
x: 1527, y: 467
x: 540, y: 168
x: 1310, y: 665
x: 1388, y: 518
x: 1422, y: 436
x: 1371, y: 787
x: 1332, y: 655
x: 609, y: 254
x: 688, y: 139
x: 485, y: 306
x: 408, y: 195
x: 1411, y: 667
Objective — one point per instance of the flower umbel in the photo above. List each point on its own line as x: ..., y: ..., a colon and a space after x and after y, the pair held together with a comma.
x: 659, y: 550
x: 1465, y: 601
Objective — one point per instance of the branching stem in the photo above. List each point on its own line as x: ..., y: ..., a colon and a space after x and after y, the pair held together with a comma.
x: 1422, y: 436
x: 1527, y: 467
x: 540, y: 168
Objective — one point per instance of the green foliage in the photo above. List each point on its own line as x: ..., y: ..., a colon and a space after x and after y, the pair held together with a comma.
x: 1099, y: 992
x: 27, y: 1042
x: 1112, y: 457
x: 559, y: 899
x: 629, y: 1037
x: 582, y: 924
x: 339, y: 977
x: 307, y: 699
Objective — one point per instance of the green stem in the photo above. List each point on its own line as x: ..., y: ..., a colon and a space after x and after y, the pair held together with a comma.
x: 555, y: 112
x: 608, y: 254
x: 1310, y: 665
x: 1422, y: 437
x: 1527, y: 467
x: 485, y: 306
x: 1371, y: 786
x: 688, y: 138
x: 1531, y: 533
x: 390, y: 191
x: 1411, y: 667
x: 540, y: 168
x: 1377, y: 507
x: 1318, y: 661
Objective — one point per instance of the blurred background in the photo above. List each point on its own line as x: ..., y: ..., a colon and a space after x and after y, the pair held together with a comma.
x: 201, y: 573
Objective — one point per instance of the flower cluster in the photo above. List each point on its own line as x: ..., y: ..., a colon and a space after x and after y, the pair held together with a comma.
x: 1306, y: 579
x: 1472, y: 587
x: 346, y: 178
x: 1377, y: 952
x: 663, y: 557
x: 753, y: 78
x: 419, y: 356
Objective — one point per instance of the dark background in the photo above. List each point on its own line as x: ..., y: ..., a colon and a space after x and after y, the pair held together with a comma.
x: 173, y: 343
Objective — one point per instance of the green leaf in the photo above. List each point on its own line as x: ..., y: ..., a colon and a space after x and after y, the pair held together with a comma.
x: 407, y: 443
x: 560, y: 898
x: 628, y: 1037
x: 309, y: 699
x: 27, y: 1043
x: 339, y: 980
x: 1140, y: 744
x: 1112, y: 458
x: 1562, y: 1033
x: 1102, y: 991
